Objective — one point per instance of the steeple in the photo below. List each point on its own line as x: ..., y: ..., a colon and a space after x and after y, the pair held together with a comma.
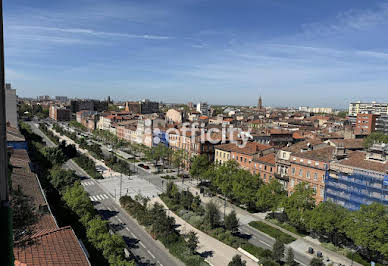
x: 260, y: 103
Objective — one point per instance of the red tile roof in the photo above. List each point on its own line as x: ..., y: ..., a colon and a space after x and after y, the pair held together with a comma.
x: 266, y: 159
x: 250, y: 148
x: 51, y: 245
x: 58, y: 246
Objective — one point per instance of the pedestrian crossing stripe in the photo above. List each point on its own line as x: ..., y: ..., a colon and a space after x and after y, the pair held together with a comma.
x: 87, y: 183
x: 98, y: 197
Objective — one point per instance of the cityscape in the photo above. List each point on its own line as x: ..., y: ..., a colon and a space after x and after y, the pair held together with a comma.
x: 102, y: 163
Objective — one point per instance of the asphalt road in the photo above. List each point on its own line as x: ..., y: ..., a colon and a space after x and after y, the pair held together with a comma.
x: 146, y: 250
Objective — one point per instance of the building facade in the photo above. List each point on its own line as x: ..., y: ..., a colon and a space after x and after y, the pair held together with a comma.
x: 360, y: 179
x: 310, y: 167
x: 368, y: 108
x: 365, y: 123
x: 10, y: 105
x: 59, y: 113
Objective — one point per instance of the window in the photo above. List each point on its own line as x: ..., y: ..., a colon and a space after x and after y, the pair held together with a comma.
x: 292, y: 182
x: 321, y: 191
x: 255, y: 165
x: 308, y: 174
x: 293, y: 170
x: 232, y: 156
x: 315, y: 176
x: 240, y: 158
x: 316, y: 164
x: 260, y: 166
x: 271, y: 169
x: 265, y: 167
x: 323, y: 178
x: 245, y: 160
x: 265, y: 176
x: 283, y: 155
x: 300, y: 172
x: 309, y: 161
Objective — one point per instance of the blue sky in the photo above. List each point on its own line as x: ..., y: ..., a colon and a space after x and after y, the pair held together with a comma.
x: 315, y: 53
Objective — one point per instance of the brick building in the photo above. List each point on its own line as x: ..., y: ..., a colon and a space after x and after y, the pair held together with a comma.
x: 59, y: 113
x: 365, y: 124
x: 311, y: 167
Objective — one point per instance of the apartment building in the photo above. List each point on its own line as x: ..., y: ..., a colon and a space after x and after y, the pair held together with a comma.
x: 59, y: 113
x: 359, y: 178
x: 368, y: 108
x: 365, y: 123
x: 10, y: 105
x: 283, y: 157
x: 310, y: 167
x: 264, y: 166
x: 382, y: 124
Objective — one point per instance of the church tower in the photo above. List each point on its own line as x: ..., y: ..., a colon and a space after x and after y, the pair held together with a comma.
x: 260, y: 103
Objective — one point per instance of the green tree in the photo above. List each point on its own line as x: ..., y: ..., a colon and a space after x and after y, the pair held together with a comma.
x: 368, y: 228
x: 375, y: 137
x: 317, y: 262
x: 199, y: 165
x: 178, y: 159
x: 212, y: 215
x: 192, y: 241
x: 270, y: 196
x: 299, y: 204
x: 61, y: 178
x: 223, y: 176
x: 327, y: 219
x: 290, y: 258
x: 244, y: 188
x: 237, y: 261
x: 78, y: 200
x: 54, y: 155
x: 231, y: 222
x: 278, y: 250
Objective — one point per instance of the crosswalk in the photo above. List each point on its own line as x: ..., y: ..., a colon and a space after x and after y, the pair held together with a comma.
x: 88, y: 183
x: 98, y: 197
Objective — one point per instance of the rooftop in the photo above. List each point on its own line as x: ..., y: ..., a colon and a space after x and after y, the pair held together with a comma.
x: 323, y: 154
x: 358, y: 159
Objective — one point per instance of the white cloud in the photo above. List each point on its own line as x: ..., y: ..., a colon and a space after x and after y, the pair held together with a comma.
x: 91, y: 32
x: 350, y: 20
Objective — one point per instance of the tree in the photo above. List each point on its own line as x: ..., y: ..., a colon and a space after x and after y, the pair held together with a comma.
x: 78, y: 200
x: 199, y: 165
x: 299, y: 204
x: 368, y: 228
x: 192, y: 241
x: 61, y: 178
x: 317, y: 262
x: 278, y: 250
x: 223, y: 176
x: 212, y: 215
x: 375, y: 137
x: 231, y: 222
x: 244, y: 188
x: 237, y: 261
x: 290, y: 258
x: 54, y: 155
x: 178, y: 159
x: 327, y: 219
x: 270, y: 196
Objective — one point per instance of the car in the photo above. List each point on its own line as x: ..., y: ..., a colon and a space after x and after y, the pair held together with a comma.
x: 146, y: 167
x: 141, y: 165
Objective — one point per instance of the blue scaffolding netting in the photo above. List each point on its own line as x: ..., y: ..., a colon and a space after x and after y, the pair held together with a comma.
x: 362, y: 187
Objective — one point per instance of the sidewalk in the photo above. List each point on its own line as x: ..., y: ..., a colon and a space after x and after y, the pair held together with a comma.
x: 301, y: 244
x: 222, y: 253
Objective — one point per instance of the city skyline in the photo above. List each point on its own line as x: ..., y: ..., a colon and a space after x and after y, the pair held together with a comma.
x: 196, y: 51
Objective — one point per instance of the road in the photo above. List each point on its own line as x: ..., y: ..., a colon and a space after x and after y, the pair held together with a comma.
x: 257, y: 237
x: 146, y: 250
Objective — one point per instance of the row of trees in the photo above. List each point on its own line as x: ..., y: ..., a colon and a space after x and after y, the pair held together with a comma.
x: 328, y: 221
x: 66, y: 184
x: 163, y: 227
x: 111, y: 245
x: 208, y: 218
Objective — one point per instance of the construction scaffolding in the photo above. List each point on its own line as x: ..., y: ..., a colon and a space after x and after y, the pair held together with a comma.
x: 362, y: 187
